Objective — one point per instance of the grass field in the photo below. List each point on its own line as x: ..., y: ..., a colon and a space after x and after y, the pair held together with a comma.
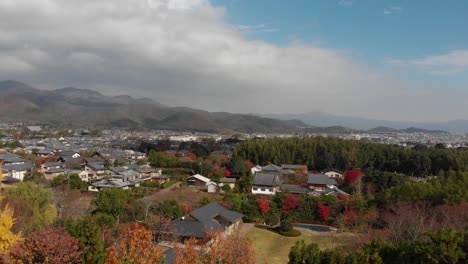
x: 273, y: 248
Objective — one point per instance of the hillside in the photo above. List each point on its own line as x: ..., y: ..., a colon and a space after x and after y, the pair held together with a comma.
x: 81, y: 107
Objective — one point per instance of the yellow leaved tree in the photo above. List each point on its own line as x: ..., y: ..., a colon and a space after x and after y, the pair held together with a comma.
x: 7, y: 237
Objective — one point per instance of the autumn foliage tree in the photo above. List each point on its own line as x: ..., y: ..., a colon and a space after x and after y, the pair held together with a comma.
x: 7, y: 237
x: 232, y: 248
x: 263, y: 205
x: 324, y: 211
x: 50, y: 246
x: 134, y: 246
x: 289, y: 204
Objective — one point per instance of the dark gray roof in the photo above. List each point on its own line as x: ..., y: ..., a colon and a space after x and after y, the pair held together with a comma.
x: 18, y: 167
x: 228, y: 180
x: 295, y: 188
x: 272, y: 168
x: 54, y: 170
x: 51, y: 164
x: 266, y: 179
x: 335, y: 191
x: 320, y: 179
x: 11, y: 158
x: 197, y: 229
x: 213, y: 210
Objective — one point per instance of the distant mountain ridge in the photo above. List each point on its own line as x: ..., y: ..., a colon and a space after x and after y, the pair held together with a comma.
x: 322, y: 119
x: 77, y: 107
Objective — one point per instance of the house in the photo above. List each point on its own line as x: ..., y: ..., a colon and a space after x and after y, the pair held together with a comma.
x: 148, y: 172
x: 17, y: 170
x: 333, y: 173
x: 96, y: 170
x: 271, y: 169
x: 266, y: 183
x: 212, y: 187
x: 44, y: 153
x: 255, y: 169
x: 9, y: 158
x: 83, y: 176
x: 54, y: 172
x: 126, y: 176
x: 50, y: 165
x: 296, y: 189
x: 161, y: 179
x: 231, y: 182
x: 198, y: 180
x: 211, y: 218
x: 319, y: 182
x: 106, y: 184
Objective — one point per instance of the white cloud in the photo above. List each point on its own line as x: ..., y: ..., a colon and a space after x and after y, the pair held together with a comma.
x: 452, y: 63
x: 184, y: 53
x: 392, y: 10
x: 345, y: 2
x: 258, y: 28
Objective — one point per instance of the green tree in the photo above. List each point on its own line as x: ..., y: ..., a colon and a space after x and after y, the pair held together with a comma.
x: 88, y: 232
x: 32, y: 204
x: 112, y: 201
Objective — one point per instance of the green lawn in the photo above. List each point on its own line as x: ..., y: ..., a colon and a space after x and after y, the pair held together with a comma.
x: 273, y: 248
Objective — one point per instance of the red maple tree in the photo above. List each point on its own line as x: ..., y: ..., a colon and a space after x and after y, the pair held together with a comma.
x: 263, y: 205
x: 353, y: 176
x: 324, y: 211
x: 289, y: 204
x: 52, y: 246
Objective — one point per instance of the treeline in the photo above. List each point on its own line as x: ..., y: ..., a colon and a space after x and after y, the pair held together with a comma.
x: 435, y: 247
x: 321, y: 153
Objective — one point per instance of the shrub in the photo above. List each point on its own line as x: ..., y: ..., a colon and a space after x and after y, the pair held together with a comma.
x: 286, y: 225
x: 291, y: 233
x: 272, y: 219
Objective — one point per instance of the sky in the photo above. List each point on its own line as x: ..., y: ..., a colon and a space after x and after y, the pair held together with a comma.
x: 392, y: 60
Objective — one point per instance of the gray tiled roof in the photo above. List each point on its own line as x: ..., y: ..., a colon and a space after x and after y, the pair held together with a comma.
x: 272, y: 168
x: 320, y: 179
x: 18, y: 167
x: 213, y: 210
x: 266, y: 179
x: 295, y: 188
x: 197, y: 229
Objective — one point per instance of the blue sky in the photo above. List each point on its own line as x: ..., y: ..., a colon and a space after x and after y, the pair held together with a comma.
x: 371, y: 31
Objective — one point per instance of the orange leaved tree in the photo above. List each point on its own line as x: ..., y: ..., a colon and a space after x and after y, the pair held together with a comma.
x: 134, y: 246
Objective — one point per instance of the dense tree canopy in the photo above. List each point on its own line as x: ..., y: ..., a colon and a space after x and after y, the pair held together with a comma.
x: 320, y: 153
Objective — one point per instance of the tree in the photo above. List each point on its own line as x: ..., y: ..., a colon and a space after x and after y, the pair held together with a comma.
x: 272, y: 219
x: 289, y: 204
x: 112, y: 201
x: 286, y: 225
x: 88, y: 232
x: 169, y: 208
x: 32, y: 205
x: 134, y: 246
x: 301, y: 253
x: 324, y: 211
x: 7, y: 237
x: 50, y: 246
x: 232, y: 248
x: 263, y: 205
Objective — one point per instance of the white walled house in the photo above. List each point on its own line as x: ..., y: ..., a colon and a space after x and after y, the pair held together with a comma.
x: 266, y: 183
x: 333, y: 173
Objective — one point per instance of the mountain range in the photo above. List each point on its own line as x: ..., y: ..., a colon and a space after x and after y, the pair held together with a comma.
x: 76, y: 107
x: 323, y: 119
